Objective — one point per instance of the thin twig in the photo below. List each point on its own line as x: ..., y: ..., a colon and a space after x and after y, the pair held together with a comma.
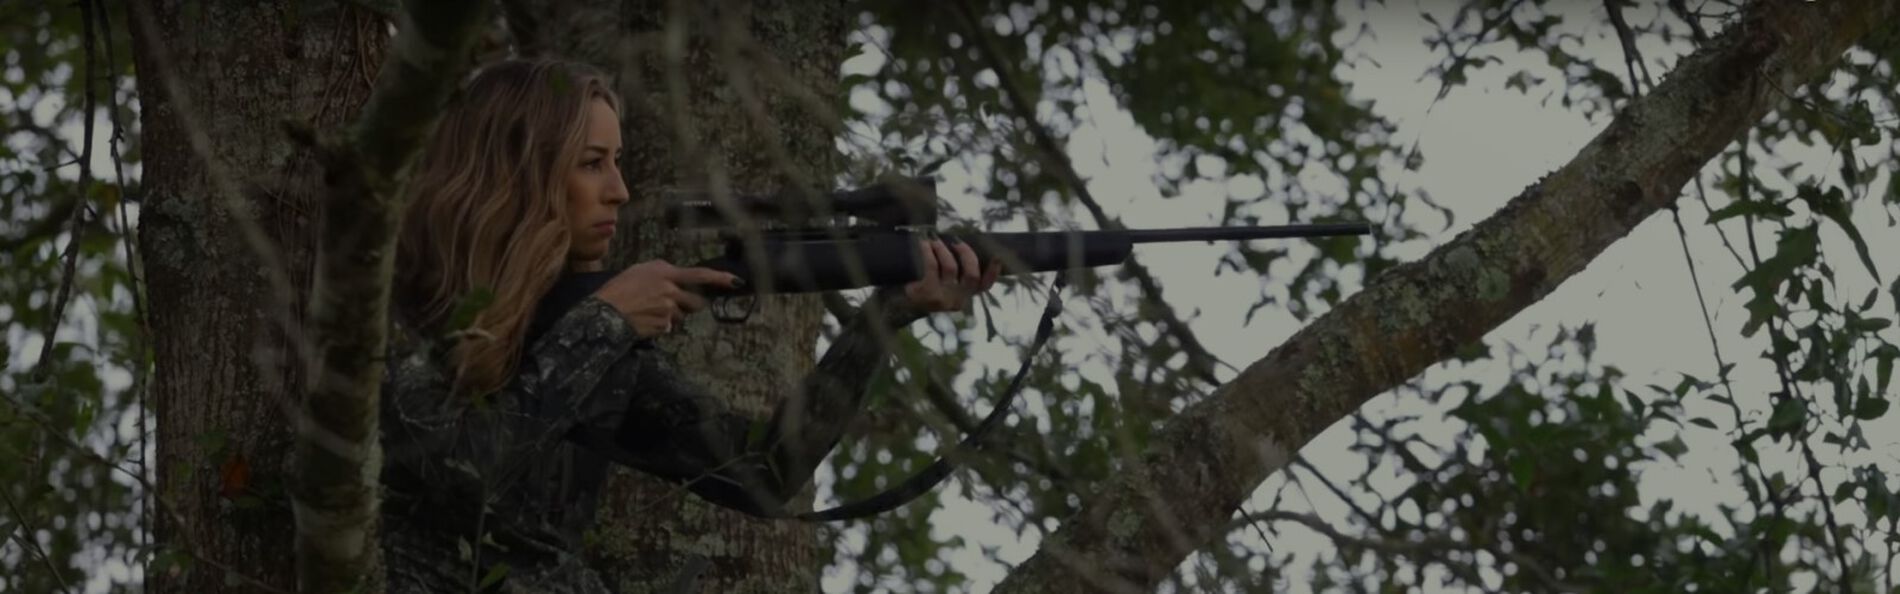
x: 944, y: 400
x: 1781, y: 368
x: 31, y: 541
x: 1833, y: 527
x: 1632, y: 57
x: 1696, y: 31
x: 1201, y: 362
x: 77, y: 224
x: 1484, y: 30
x: 1368, y: 517
x: 140, y: 376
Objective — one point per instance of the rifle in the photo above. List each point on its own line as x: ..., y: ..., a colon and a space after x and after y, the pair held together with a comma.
x: 885, y: 253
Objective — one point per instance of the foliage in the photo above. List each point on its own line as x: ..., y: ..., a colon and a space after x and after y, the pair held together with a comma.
x: 71, y: 430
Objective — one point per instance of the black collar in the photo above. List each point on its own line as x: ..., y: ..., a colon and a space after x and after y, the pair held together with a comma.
x: 568, y: 291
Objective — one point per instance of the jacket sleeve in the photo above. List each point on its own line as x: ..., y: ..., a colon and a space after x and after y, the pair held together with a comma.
x: 672, y: 428
x: 451, y: 446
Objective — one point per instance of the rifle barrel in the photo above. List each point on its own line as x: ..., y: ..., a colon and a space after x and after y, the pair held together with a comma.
x: 1212, y: 234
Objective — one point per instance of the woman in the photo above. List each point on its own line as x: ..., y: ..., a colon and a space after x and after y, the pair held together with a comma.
x: 499, y: 437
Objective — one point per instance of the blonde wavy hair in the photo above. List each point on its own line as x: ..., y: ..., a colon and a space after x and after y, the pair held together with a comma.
x: 488, y: 211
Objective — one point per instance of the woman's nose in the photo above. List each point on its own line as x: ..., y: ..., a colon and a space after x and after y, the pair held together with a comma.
x: 617, y: 190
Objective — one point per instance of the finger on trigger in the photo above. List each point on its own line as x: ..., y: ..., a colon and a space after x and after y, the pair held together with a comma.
x: 703, y: 276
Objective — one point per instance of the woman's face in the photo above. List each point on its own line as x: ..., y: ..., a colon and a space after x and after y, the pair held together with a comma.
x: 595, y: 189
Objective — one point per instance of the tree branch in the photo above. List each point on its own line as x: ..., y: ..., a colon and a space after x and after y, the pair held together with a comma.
x: 1205, y: 462
x: 338, y: 441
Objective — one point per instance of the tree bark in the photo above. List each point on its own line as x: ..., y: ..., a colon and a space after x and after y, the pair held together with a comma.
x: 216, y: 81
x: 729, y: 104
x: 1134, y: 530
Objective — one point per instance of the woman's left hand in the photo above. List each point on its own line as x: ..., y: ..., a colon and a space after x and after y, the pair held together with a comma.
x: 951, y: 278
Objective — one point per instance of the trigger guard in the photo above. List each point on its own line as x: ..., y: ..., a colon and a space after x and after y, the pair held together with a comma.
x: 724, y: 310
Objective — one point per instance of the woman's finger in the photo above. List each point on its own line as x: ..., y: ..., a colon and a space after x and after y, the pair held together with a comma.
x: 946, y: 262
x: 930, y: 261
x: 966, y: 264
x: 651, y: 326
x: 689, y: 302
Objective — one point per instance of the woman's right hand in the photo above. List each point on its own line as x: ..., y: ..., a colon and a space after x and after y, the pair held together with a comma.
x: 652, y: 295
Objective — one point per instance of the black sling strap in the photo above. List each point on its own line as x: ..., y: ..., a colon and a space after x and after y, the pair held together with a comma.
x: 570, y: 289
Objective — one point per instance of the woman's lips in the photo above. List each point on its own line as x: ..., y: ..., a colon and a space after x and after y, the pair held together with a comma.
x: 607, y: 227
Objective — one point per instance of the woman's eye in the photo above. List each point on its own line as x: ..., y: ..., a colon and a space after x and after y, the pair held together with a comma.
x: 594, y: 164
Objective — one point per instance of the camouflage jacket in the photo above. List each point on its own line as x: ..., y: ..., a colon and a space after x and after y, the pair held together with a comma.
x: 520, y: 470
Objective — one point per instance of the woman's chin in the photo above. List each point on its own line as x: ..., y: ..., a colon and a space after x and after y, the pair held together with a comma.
x: 585, y: 262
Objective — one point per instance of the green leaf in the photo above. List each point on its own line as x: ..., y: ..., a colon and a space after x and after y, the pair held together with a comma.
x: 1883, y: 369
x: 1870, y: 408
x: 87, y: 409
x: 494, y: 575
x: 1523, y: 469
x: 1845, y: 491
x: 1797, y: 248
x: 1761, y: 209
x: 1703, y: 422
x: 212, y: 442
x: 1868, y: 325
x: 1674, y: 447
x: 756, y: 432
x: 469, y: 307
x: 1833, y: 205
x: 1788, y: 416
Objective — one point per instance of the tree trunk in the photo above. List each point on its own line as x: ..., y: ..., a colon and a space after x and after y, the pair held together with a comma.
x: 1209, y: 459
x: 733, y: 107
x: 216, y: 80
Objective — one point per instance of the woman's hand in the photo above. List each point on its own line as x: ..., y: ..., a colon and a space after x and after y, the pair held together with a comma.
x: 951, y: 278
x: 652, y: 296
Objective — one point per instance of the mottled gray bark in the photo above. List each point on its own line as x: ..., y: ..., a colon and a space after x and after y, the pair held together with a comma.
x: 1206, y: 462
x: 733, y: 104
x: 216, y: 81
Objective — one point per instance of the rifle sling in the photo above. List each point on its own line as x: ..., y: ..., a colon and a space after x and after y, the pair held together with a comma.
x: 575, y: 287
x: 931, y: 476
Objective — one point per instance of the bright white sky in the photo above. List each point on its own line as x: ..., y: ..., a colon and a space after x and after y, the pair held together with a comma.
x: 1483, y: 144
